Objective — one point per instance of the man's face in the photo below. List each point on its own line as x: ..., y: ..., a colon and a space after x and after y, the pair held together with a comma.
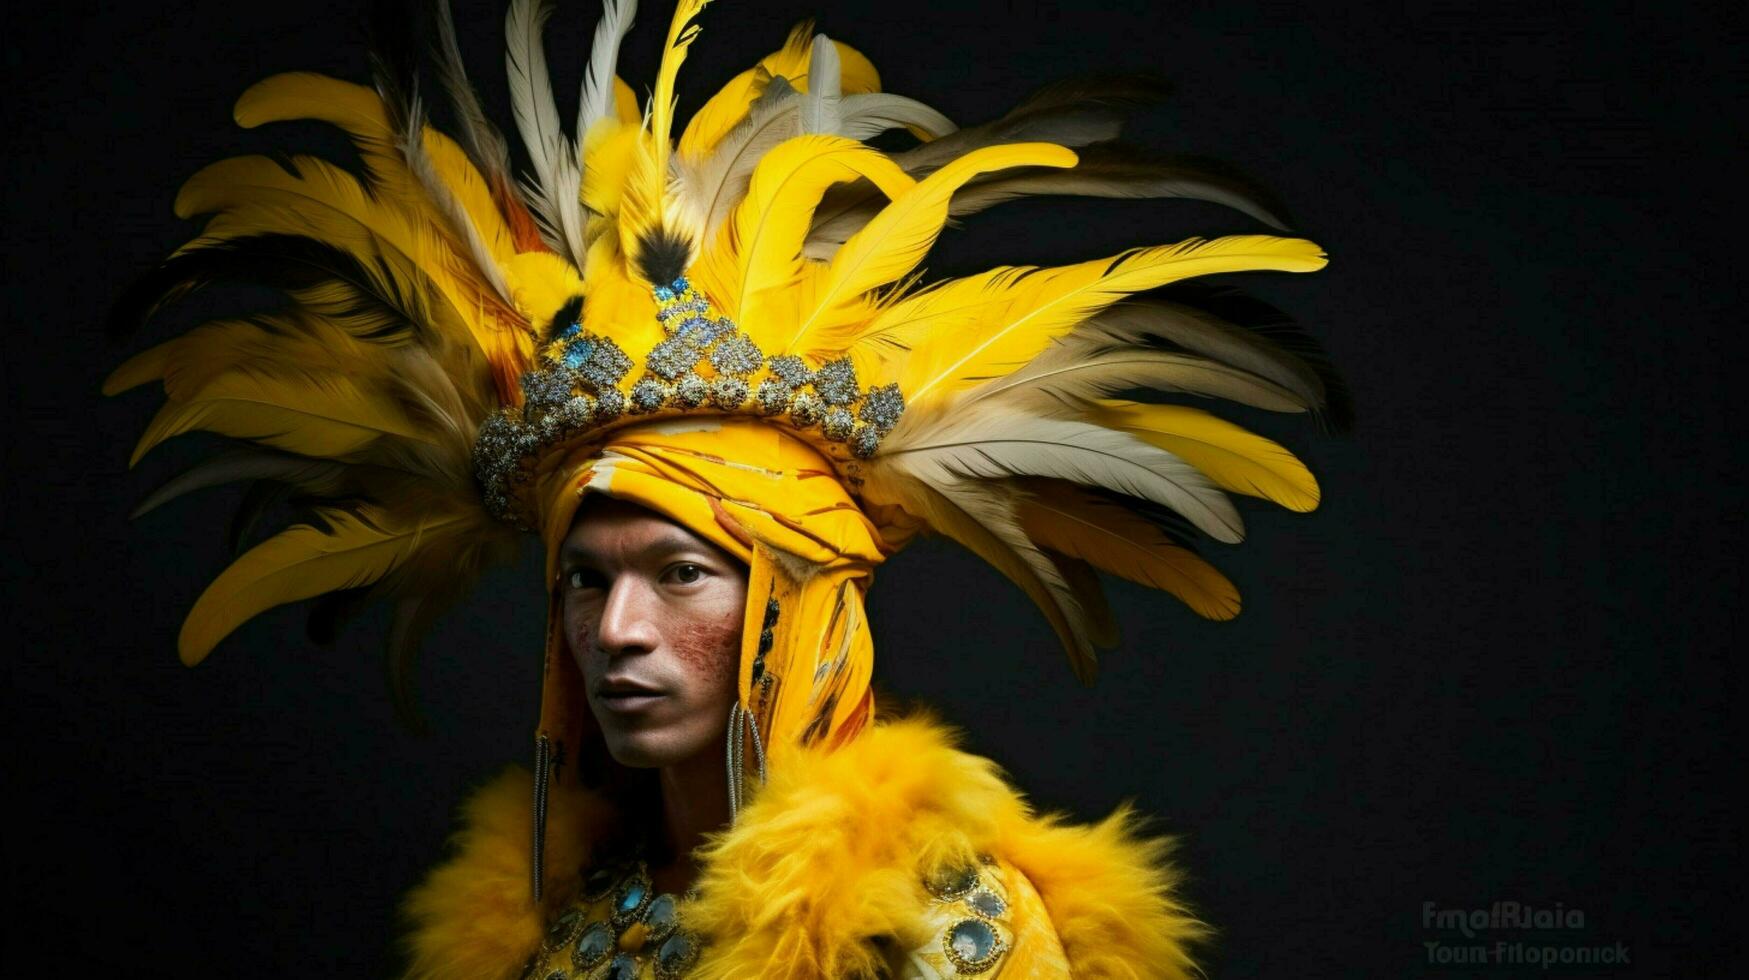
x: 652, y: 614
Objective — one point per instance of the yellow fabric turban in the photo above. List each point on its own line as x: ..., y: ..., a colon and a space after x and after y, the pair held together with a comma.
x: 775, y: 503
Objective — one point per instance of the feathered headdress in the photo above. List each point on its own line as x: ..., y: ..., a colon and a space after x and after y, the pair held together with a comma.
x: 459, y: 342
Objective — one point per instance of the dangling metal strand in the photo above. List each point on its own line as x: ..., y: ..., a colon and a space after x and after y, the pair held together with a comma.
x: 542, y: 768
x: 758, y: 747
x: 741, y: 724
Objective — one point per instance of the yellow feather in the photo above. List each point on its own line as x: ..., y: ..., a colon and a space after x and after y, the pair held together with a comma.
x: 765, y: 237
x: 255, y: 195
x: 359, y: 111
x: 315, y: 414
x: 1233, y: 457
x: 608, y: 152
x: 618, y: 305
x: 1080, y: 524
x: 625, y: 102
x: 966, y: 331
x: 729, y: 106
x: 681, y: 33
x: 543, y: 282
x: 301, y: 562
x: 897, y: 239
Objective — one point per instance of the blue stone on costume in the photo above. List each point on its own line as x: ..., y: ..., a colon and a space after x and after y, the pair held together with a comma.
x: 971, y: 941
x: 661, y: 917
x: 623, y: 967
x: 987, y: 904
x: 561, y: 928
x: 631, y: 897
x: 577, y: 354
x: 575, y: 328
x: 593, y: 946
x: 676, y: 955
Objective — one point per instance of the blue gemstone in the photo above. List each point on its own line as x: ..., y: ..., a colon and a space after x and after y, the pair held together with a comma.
x: 623, y: 967
x: 676, y: 951
x: 987, y: 904
x: 633, y: 897
x: 661, y: 914
x: 571, y: 331
x: 593, y: 945
x: 972, y: 940
x: 664, y: 294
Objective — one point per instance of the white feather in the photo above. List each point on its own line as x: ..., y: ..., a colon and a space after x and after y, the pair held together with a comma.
x: 610, y: 32
x: 710, y: 188
x: 553, y: 194
x: 991, y: 440
x: 1067, y: 375
x: 820, y: 105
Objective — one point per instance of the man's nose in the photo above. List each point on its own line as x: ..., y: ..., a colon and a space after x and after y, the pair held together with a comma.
x: 628, y: 620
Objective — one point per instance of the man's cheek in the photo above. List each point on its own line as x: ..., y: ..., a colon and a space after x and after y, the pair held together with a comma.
x: 709, y: 649
x: 579, y: 625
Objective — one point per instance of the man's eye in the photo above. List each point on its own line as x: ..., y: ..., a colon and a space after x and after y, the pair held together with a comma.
x: 688, y: 574
x: 582, y: 580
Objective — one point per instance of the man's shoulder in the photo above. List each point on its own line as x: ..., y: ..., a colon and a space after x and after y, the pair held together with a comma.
x: 859, y: 842
x: 899, y: 836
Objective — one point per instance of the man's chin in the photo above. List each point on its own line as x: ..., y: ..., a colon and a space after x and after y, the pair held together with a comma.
x: 648, y: 749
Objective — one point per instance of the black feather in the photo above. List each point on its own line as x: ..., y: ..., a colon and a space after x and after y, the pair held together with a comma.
x: 571, y: 312
x: 288, y: 262
x: 663, y: 256
x: 258, y: 499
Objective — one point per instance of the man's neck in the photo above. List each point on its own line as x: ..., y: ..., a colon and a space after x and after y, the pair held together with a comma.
x: 695, y: 802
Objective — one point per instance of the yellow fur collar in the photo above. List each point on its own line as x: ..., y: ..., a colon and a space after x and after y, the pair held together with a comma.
x: 828, y: 855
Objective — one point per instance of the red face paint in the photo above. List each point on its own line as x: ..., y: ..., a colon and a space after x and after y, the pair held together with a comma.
x: 709, y: 648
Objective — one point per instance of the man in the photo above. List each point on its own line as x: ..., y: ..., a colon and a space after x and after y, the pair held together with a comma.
x: 700, y: 368
x: 894, y: 855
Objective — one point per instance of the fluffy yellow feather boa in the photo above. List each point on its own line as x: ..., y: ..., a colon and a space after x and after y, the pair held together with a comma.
x: 830, y: 853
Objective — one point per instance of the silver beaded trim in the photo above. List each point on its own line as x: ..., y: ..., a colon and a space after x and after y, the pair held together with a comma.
x: 577, y: 390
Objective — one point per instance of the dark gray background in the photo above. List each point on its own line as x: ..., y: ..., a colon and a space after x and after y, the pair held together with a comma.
x: 1496, y: 664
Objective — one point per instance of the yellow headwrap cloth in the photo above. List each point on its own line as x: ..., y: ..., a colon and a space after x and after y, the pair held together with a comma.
x: 772, y: 501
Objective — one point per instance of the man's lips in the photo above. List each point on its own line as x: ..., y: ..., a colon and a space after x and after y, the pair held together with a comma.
x: 626, y: 694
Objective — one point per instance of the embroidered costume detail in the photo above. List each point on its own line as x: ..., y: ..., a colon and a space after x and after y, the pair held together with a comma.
x: 838, y: 848
x: 702, y: 363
